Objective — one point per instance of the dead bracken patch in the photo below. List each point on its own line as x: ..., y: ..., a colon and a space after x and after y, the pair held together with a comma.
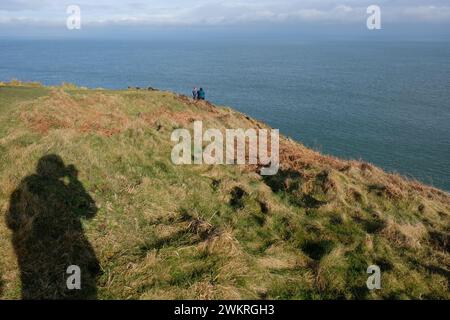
x: 183, y: 118
x: 298, y: 157
x: 199, y: 104
x: 95, y: 113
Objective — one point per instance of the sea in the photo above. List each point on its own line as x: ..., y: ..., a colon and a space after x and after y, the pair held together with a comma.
x: 384, y: 102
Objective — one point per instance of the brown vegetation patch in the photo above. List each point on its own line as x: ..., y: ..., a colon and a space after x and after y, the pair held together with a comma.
x: 404, y: 235
x: 183, y: 118
x: 298, y: 157
x: 97, y: 113
x: 198, y: 104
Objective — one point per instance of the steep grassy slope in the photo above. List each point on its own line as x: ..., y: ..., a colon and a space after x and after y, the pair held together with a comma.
x: 164, y: 231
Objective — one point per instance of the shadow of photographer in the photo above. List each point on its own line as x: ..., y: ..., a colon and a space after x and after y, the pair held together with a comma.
x: 45, y: 213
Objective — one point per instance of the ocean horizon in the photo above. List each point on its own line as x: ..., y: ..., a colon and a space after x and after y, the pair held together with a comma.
x: 384, y: 102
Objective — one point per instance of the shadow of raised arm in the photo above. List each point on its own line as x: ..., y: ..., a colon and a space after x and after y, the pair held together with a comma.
x: 81, y: 202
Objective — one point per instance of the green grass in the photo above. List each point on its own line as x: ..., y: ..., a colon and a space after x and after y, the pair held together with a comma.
x: 162, y: 231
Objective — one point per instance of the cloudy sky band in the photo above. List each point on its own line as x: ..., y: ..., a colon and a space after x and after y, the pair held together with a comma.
x: 220, y: 12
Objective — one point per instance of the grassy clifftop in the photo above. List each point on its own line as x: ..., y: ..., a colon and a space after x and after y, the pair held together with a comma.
x: 160, y: 231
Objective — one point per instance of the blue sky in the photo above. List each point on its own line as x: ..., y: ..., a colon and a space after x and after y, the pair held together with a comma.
x: 47, y: 16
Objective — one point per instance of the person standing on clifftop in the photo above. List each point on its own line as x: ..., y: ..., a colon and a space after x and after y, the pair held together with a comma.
x: 195, y: 93
x: 201, y: 94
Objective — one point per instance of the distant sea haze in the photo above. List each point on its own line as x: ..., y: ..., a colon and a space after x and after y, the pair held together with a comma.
x: 387, y: 103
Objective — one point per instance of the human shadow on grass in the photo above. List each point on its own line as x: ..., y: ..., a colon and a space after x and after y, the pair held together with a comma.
x: 45, y: 213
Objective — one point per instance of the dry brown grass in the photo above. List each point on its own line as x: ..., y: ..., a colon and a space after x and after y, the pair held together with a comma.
x: 97, y: 113
x: 405, y: 235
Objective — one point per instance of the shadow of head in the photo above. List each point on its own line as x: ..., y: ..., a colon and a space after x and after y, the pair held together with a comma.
x: 51, y: 166
x: 44, y: 215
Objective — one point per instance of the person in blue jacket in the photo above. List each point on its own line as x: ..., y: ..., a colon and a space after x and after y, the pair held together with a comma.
x: 201, y: 94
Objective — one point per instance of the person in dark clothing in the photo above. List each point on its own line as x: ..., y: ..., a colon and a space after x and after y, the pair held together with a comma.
x: 201, y: 94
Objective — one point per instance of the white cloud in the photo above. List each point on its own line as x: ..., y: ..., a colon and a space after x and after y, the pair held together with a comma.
x: 219, y: 12
x: 428, y: 13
